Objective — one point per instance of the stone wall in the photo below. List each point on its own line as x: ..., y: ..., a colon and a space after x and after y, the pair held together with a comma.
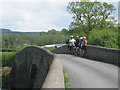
x: 61, y: 50
x: 55, y: 76
x: 33, y: 64
x: 97, y: 53
x: 104, y: 54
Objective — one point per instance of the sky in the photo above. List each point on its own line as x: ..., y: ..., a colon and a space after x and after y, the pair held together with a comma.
x: 38, y: 15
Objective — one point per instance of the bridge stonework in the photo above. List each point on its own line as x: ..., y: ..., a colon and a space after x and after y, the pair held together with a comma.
x: 103, y: 54
x: 33, y: 64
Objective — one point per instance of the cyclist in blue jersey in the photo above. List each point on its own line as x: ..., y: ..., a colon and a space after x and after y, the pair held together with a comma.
x: 80, y: 46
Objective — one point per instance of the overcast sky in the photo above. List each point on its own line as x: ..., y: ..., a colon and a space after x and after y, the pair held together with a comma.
x: 38, y: 15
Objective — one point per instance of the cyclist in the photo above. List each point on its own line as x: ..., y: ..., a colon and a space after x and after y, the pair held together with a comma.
x: 71, y: 43
x: 84, y: 44
x: 80, y: 46
x: 76, y: 45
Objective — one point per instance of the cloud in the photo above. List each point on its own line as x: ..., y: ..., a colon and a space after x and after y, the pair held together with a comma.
x: 54, y: 0
x: 34, y: 15
x: 37, y: 26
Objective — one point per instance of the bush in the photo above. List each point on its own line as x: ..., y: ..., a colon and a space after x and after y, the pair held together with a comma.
x: 5, y: 77
x: 106, y: 38
x: 8, y: 58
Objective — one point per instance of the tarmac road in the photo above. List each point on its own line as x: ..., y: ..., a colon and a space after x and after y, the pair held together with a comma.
x: 86, y: 73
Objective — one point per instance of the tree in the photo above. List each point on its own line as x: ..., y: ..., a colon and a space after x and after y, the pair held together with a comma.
x: 6, y: 42
x: 42, y: 33
x: 106, y: 38
x: 88, y: 15
x: 50, y: 37
x: 53, y: 31
x: 64, y: 31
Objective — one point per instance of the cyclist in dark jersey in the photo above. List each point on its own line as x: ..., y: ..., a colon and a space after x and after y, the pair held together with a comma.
x: 77, y: 44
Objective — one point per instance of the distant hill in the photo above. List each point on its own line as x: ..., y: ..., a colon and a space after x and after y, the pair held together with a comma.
x: 8, y: 31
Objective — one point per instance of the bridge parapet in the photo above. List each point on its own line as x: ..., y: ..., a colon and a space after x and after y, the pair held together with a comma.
x: 61, y: 50
x: 104, y: 54
x: 33, y: 64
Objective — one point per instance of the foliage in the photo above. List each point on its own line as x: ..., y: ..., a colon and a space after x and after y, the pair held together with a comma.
x: 20, y: 49
x: 106, y: 38
x: 77, y: 32
x: 19, y: 40
x: 8, y: 58
x: 53, y: 31
x: 64, y: 31
x: 5, y: 77
x: 90, y: 15
x: 0, y: 59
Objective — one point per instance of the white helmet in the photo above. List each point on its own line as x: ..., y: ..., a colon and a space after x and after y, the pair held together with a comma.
x: 84, y: 37
x: 71, y: 36
x: 81, y: 37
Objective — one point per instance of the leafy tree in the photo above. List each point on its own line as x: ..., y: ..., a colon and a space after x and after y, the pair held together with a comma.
x: 6, y: 41
x: 50, y: 37
x: 88, y: 15
x: 42, y: 33
x: 105, y: 38
x: 64, y: 31
x: 53, y: 31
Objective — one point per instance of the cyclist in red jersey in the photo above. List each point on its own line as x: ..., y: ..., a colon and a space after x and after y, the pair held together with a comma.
x: 84, y: 44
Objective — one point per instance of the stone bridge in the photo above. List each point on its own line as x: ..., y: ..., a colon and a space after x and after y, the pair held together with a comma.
x: 36, y: 67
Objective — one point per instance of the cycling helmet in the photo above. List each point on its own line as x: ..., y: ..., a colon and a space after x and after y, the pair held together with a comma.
x: 84, y: 37
x: 81, y: 37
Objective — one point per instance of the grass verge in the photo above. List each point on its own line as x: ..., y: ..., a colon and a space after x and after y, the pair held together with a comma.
x: 66, y: 81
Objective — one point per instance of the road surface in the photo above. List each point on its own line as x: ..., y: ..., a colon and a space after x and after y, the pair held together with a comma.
x: 86, y: 73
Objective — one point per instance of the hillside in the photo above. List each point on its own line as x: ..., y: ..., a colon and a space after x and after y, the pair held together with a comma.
x: 8, y: 31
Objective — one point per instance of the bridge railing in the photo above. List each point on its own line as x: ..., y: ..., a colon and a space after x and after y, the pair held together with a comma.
x: 103, y: 54
x: 55, y: 78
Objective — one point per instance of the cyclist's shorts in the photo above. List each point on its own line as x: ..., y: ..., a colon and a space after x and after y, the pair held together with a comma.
x: 84, y: 47
x: 76, y: 45
x: 71, y: 47
x: 80, y: 47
